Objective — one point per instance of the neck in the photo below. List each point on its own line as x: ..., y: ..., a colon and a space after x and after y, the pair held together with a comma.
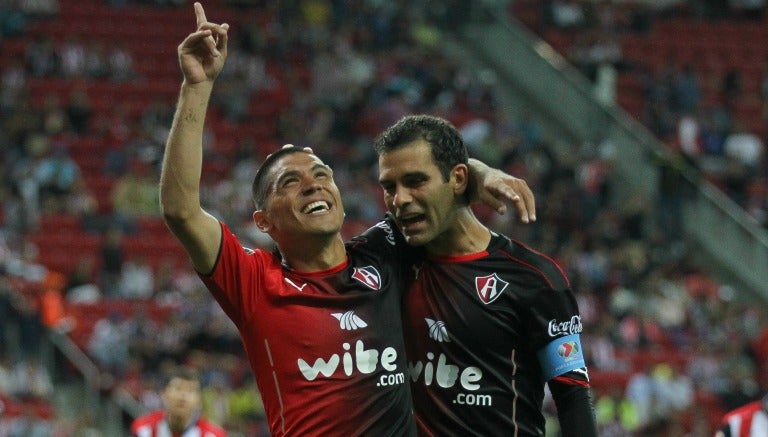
x: 314, y: 255
x: 178, y: 424
x: 466, y: 236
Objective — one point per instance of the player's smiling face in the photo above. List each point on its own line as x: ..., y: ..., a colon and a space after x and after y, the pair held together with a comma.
x: 302, y: 198
x: 416, y: 193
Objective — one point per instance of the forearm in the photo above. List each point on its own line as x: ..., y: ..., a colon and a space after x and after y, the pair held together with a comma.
x: 183, y: 156
x: 477, y: 170
x: 495, y: 188
x: 575, y: 411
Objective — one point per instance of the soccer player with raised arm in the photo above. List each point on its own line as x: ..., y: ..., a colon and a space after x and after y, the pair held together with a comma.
x: 320, y: 319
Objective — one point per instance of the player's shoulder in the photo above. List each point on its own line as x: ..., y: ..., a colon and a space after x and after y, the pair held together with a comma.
x: 538, y: 263
x: 210, y: 429
x: 744, y: 410
x: 147, y: 420
x: 383, y: 232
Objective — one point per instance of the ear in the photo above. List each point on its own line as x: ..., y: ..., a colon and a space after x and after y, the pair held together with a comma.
x: 262, y: 221
x: 460, y: 178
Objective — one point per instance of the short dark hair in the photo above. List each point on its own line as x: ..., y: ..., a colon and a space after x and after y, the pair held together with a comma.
x: 183, y: 372
x: 260, y: 183
x: 448, y: 148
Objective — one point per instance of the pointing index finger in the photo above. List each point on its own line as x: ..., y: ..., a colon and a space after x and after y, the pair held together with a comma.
x: 200, y: 15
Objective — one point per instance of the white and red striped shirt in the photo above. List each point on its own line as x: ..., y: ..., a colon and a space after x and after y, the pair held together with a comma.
x: 750, y: 420
x: 155, y: 425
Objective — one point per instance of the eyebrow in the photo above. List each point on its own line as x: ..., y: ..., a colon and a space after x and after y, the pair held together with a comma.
x: 406, y: 176
x: 290, y: 173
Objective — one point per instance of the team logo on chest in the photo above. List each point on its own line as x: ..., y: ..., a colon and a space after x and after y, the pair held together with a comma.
x: 489, y: 287
x: 368, y: 275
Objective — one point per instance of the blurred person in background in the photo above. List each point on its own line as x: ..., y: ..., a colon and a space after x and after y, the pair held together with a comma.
x: 750, y: 420
x: 181, y: 413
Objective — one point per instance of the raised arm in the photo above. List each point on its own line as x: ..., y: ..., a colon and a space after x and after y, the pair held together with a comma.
x: 494, y: 188
x: 201, y: 58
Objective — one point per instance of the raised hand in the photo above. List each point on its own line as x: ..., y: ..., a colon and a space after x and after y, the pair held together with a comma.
x: 203, y: 52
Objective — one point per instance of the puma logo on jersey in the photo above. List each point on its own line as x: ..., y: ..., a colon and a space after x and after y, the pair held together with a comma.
x: 388, y: 229
x: 367, y: 275
x: 416, y: 269
x: 349, y: 321
x: 437, y: 330
x: 490, y: 287
x: 296, y: 285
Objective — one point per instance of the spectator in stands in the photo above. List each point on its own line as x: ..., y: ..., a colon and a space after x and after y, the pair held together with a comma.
x: 687, y: 90
x: 96, y: 65
x: 112, y: 259
x: 21, y: 215
x: 31, y: 380
x: 73, y: 57
x: 615, y: 414
x: 134, y: 195
x: 40, y: 56
x: 83, y: 204
x: 54, y: 117
x: 121, y: 65
x: 56, y: 175
x: 13, y: 21
x: 155, y: 120
x: 181, y: 410
x: 45, y: 9
x: 137, y: 279
x: 109, y: 343
x: 29, y: 424
x: 53, y: 313
x: 247, y: 409
x: 79, y: 110
x: 31, y: 330
x: 13, y: 81
x: 81, y: 284
x: 640, y: 392
x: 746, y: 148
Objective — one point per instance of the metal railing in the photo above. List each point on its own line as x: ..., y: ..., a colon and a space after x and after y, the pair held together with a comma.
x: 536, y: 78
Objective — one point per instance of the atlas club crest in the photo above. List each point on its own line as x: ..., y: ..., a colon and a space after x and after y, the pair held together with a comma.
x: 368, y: 276
x: 489, y: 287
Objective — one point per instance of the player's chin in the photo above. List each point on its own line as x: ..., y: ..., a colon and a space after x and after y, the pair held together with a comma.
x: 416, y: 238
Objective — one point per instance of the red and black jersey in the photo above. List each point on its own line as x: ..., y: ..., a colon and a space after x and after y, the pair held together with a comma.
x: 484, y: 333
x: 155, y: 425
x: 326, y: 347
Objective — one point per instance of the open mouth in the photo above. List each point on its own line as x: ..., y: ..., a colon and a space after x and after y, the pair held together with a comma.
x: 317, y: 207
x: 411, y: 221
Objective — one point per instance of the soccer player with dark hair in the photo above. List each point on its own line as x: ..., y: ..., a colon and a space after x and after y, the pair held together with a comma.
x: 320, y: 320
x: 488, y: 320
x: 181, y: 415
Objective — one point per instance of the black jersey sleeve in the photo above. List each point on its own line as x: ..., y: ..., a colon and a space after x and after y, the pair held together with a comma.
x: 387, y: 240
x: 575, y: 409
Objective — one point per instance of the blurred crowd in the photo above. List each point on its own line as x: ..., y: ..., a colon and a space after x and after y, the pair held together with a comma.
x: 695, y: 73
x: 669, y: 345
